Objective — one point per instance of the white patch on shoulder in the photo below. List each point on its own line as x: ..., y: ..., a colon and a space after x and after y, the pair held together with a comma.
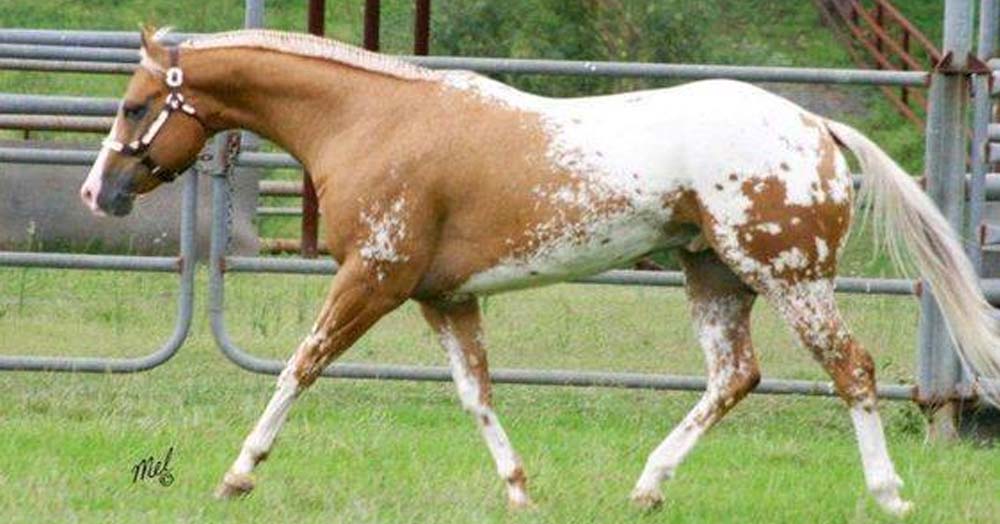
x: 386, y: 230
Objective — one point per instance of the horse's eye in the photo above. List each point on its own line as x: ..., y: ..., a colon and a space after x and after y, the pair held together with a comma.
x: 134, y: 112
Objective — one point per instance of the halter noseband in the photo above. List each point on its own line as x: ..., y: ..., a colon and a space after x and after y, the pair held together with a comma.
x: 174, y: 78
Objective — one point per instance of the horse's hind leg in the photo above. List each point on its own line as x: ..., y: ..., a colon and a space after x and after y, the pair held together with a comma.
x: 458, y: 327
x: 810, y: 308
x: 720, y: 307
x: 353, y: 305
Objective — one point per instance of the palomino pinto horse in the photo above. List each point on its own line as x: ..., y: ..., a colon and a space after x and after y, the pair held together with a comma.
x: 476, y: 188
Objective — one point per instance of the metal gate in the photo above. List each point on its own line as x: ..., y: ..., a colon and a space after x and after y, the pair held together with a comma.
x: 939, y: 373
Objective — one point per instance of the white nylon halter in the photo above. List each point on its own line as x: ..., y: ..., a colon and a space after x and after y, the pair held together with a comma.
x: 174, y: 101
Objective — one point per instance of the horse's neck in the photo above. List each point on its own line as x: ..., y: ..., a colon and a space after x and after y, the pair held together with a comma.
x: 299, y: 103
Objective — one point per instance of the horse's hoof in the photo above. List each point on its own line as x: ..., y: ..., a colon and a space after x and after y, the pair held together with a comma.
x: 234, y: 485
x: 896, y: 507
x: 520, y: 503
x: 647, y: 500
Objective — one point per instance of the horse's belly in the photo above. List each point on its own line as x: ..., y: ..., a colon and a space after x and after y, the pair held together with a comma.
x: 606, y: 245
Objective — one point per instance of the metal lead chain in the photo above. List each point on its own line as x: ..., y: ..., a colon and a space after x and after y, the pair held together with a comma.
x: 231, y: 151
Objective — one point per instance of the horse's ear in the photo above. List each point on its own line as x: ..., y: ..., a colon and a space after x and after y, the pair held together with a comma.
x: 151, y: 48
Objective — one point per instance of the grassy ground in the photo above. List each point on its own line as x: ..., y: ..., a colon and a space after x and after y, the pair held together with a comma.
x: 358, y: 451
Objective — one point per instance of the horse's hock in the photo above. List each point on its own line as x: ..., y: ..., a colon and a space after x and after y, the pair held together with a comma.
x: 40, y: 209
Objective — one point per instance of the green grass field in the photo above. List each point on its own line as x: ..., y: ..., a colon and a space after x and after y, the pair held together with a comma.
x: 360, y: 451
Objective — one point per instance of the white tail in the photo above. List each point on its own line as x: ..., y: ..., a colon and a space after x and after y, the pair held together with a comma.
x: 904, y: 216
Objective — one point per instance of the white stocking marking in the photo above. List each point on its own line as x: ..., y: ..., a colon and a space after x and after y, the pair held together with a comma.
x: 880, y: 476
x: 260, y: 440
x: 507, y: 461
x: 713, y: 321
x: 663, y: 461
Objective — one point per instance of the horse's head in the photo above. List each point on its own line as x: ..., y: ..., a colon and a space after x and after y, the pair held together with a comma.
x: 156, y: 135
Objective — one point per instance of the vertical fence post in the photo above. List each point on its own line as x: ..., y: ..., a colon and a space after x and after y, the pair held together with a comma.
x: 982, y: 104
x: 880, y: 24
x: 310, y: 203
x: 373, y: 19
x: 253, y: 14
x: 422, y: 27
x: 905, y: 95
x: 253, y: 18
x: 989, y: 19
x: 938, y: 366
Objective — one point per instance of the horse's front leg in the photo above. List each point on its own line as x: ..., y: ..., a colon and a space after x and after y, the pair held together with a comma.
x: 357, y: 299
x: 459, y: 328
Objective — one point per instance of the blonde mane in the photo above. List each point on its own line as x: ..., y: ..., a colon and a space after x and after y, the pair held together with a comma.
x: 314, y: 47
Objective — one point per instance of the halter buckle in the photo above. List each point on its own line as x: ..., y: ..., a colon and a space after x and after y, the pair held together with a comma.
x: 174, y: 77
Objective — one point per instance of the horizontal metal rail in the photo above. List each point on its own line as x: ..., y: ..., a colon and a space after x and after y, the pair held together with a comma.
x: 57, y: 105
x: 65, y: 66
x: 29, y: 48
x: 675, y: 71
x: 68, y: 157
x: 86, y: 124
x: 283, y: 188
x: 615, y: 277
x: 81, y: 54
x: 538, y: 377
x: 185, y: 264
x: 82, y: 38
x: 219, y: 264
x: 270, y: 211
x: 86, y: 157
x: 266, y: 160
x: 94, y: 262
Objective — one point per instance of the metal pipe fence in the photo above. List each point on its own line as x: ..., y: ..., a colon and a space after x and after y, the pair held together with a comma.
x: 184, y: 265
x: 114, y: 52
x: 220, y: 264
x: 38, y: 45
x: 938, y: 367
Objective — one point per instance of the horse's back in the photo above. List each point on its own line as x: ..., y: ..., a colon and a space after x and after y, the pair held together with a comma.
x: 633, y: 173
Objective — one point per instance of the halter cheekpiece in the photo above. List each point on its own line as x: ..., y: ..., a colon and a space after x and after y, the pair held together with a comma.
x: 174, y: 79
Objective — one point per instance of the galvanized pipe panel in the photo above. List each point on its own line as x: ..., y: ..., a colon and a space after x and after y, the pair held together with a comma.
x: 938, y: 365
x: 982, y: 130
x: 57, y: 105
x: 511, y: 65
x: 675, y: 71
x: 66, y: 66
x: 266, y: 160
x: 85, y: 124
x: 69, y: 157
x: 93, y: 262
x: 219, y: 263
x: 80, y: 54
x: 77, y: 38
x: 614, y: 277
x: 185, y: 298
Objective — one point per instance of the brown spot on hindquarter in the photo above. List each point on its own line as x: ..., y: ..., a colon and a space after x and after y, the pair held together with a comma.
x: 800, y: 225
x: 819, y: 220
